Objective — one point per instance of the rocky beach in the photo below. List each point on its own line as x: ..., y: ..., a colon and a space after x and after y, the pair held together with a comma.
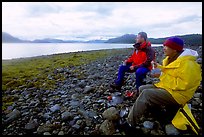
x: 79, y: 103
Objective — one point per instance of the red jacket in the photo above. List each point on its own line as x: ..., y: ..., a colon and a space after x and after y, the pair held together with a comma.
x: 142, y: 56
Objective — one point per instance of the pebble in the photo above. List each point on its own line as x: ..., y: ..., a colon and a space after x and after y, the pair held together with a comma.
x: 55, y: 108
x: 88, y: 89
x: 46, y: 133
x: 13, y: 115
x: 32, y: 125
x: 197, y: 95
x: 61, y: 133
x: 148, y: 124
x: 67, y: 116
x: 171, y: 130
x: 79, y: 90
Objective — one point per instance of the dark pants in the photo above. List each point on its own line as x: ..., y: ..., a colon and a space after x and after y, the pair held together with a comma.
x: 139, y: 72
x: 150, y: 96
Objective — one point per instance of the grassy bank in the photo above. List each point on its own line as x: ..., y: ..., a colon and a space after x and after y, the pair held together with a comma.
x: 18, y: 74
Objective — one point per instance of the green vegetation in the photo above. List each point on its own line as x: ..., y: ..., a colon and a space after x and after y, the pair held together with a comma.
x: 23, y: 73
x: 19, y: 72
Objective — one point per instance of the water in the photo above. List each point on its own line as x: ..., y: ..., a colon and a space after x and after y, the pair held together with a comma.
x: 22, y: 50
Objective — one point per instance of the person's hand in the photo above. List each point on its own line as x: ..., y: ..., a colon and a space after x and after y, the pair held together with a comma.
x: 155, y: 73
x: 155, y: 64
x: 132, y: 67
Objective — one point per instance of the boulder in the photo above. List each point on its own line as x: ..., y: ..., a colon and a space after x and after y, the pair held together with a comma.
x: 111, y: 114
x: 107, y: 128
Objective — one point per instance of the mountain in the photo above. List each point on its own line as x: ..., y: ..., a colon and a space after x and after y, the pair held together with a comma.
x: 127, y: 38
x: 48, y: 40
x: 190, y: 39
x: 7, y: 38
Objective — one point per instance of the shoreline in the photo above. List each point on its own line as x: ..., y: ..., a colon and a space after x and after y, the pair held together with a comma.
x: 42, y: 56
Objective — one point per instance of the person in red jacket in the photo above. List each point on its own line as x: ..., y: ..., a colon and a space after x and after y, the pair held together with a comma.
x: 139, y: 62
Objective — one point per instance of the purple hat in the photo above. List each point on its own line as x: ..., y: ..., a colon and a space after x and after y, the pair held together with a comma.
x: 174, y: 43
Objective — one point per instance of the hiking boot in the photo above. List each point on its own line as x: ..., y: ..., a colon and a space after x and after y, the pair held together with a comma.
x: 114, y: 86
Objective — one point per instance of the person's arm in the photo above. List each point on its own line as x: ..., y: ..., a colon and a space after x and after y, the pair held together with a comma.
x: 150, y: 57
x: 181, y: 80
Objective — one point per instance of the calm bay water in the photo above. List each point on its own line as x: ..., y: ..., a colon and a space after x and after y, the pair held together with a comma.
x: 22, y: 50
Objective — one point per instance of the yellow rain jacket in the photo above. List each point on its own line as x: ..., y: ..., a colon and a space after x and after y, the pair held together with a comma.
x: 181, y: 77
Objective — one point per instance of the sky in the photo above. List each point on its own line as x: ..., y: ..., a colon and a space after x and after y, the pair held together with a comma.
x: 100, y: 20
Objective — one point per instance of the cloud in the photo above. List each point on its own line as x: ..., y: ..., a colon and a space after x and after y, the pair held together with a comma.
x: 31, y: 20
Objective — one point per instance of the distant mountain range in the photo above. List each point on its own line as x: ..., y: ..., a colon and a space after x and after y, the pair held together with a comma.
x: 190, y: 39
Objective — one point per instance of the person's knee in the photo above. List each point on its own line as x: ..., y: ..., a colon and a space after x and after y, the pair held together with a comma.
x: 138, y: 72
x: 141, y: 88
x: 122, y: 68
x: 146, y: 94
x: 141, y: 72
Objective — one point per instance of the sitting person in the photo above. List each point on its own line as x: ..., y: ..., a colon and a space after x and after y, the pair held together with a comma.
x: 139, y: 62
x: 180, y: 77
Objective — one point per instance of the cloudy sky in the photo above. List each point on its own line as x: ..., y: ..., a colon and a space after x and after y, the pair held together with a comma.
x: 100, y: 20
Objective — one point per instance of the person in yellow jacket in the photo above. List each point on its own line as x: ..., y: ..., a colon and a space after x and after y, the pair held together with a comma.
x: 179, y: 78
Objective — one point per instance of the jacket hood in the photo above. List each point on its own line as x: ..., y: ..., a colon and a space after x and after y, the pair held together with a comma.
x: 189, y: 52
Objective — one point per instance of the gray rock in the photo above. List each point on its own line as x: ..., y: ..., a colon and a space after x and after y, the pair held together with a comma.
x: 75, y: 96
x: 116, y: 100
x: 111, y: 114
x: 198, y: 100
x: 76, y: 126
x: 197, y: 95
x: 61, y: 133
x: 195, y: 103
x: 46, y: 115
x: 157, y: 132
x: 78, y: 90
x: 46, y: 133
x: 107, y: 128
x: 199, y: 60
x: 64, y: 96
x: 66, y: 116
x: 44, y: 128
x: 82, y: 84
x: 32, y: 125
x: 95, y: 76
x: 148, y: 124
x: 171, y: 130
x: 55, y: 108
x: 13, y: 115
x: 145, y: 130
x: 88, y: 89
x: 124, y: 112
x: 74, y: 103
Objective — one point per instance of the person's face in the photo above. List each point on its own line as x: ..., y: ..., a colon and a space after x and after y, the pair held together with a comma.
x: 169, y: 51
x: 139, y: 39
